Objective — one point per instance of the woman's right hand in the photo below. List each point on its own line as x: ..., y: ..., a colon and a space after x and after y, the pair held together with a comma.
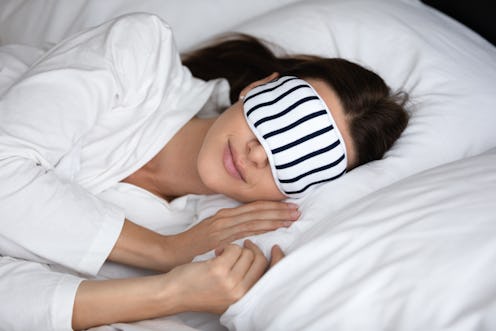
x: 231, y: 224
x: 213, y: 285
x: 209, y: 286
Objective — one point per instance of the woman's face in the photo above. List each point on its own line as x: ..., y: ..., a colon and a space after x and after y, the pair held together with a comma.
x: 233, y: 162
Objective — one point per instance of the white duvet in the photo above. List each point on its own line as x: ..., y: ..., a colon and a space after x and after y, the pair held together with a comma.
x: 392, y: 245
x: 417, y: 255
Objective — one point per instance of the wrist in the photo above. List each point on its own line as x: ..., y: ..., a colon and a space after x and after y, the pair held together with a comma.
x: 167, y: 294
x: 176, y: 250
x: 141, y: 247
x: 166, y: 253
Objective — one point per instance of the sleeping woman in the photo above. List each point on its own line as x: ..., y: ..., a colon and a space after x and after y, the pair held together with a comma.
x: 115, y: 104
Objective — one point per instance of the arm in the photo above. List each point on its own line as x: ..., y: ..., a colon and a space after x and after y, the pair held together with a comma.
x: 49, y: 112
x: 35, y: 297
x: 209, y: 286
x: 38, y: 298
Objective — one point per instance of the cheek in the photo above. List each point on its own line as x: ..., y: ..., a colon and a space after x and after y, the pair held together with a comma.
x: 264, y: 189
x: 208, y: 162
x: 272, y: 190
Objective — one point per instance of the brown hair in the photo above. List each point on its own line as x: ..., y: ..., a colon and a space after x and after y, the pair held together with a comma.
x: 376, y: 117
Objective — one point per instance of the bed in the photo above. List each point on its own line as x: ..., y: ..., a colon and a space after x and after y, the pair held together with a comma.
x: 403, y: 243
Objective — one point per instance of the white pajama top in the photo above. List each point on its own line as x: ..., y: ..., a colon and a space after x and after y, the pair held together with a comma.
x: 90, y: 112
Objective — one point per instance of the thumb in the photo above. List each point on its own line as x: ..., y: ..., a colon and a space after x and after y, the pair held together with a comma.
x: 276, y: 255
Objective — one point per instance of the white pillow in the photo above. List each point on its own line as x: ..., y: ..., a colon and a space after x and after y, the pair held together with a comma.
x: 43, y: 23
x: 448, y: 70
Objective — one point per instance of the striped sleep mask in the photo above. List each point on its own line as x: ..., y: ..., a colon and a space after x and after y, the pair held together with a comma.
x: 302, y: 141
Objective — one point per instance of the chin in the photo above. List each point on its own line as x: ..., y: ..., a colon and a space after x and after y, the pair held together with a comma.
x: 246, y: 198
x: 239, y: 198
x: 210, y: 182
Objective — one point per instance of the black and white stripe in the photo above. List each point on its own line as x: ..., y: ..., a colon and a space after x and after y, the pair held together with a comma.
x: 298, y: 133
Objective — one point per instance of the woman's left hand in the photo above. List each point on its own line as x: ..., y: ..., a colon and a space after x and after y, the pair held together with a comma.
x: 231, y: 224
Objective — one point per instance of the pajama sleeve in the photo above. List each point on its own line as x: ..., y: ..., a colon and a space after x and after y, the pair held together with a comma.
x: 48, y: 113
x: 35, y: 297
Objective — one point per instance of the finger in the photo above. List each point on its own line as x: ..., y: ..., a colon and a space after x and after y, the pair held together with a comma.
x: 276, y: 255
x: 219, y: 250
x: 252, y: 228
x: 259, y: 205
x: 229, y: 229
x: 245, y: 230
x: 243, y: 264
x: 257, y: 268
x: 272, y: 215
x: 229, y: 255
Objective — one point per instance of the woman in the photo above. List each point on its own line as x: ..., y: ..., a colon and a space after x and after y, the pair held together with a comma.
x: 114, y: 104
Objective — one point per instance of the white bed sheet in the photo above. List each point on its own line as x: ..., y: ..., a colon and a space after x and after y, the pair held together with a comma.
x: 14, y: 61
x: 416, y: 255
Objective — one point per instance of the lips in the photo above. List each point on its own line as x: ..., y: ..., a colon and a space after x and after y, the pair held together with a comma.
x: 230, y: 164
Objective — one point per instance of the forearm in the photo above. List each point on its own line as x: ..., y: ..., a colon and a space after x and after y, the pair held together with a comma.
x: 140, y: 247
x: 122, y: 300
x: 209, y: 286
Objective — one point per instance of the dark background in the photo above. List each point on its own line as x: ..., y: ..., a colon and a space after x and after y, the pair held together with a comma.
x: 478, y: 15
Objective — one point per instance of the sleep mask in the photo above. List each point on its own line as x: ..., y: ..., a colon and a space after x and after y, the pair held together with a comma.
x: 300, y: 137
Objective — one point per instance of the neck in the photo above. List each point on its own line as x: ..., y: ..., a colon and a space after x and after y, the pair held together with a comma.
x: 173, y: 171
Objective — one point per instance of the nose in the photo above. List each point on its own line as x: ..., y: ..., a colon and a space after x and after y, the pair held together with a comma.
x: 256, y: 154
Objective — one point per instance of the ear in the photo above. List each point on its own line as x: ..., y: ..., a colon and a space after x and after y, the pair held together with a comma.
x: 267, y: 79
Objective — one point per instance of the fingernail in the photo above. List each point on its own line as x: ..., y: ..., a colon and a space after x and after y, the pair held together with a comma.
x: 295, y: 214
x: 293, y: 205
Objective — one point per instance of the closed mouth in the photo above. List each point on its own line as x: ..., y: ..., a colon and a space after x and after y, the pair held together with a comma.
x: 230, y: 165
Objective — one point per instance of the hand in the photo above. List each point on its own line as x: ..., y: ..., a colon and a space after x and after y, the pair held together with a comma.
x: 231, y: 224
x: 209, y: 286
x: 213, y: 285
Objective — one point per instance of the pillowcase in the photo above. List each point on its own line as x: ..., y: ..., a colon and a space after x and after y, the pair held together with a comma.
x: 44, y: 23
x: 448, y: 71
